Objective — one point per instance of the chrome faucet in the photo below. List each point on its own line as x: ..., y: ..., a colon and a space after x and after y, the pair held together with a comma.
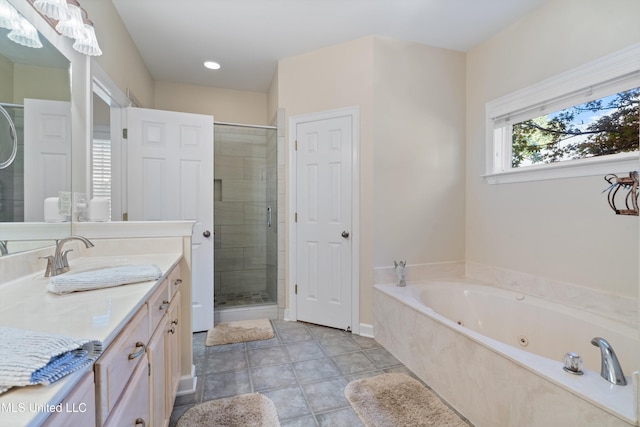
x: 58, y: 263
x: 610, y: 368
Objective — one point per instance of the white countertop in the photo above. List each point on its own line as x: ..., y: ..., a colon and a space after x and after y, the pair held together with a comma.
x: 97, y: 314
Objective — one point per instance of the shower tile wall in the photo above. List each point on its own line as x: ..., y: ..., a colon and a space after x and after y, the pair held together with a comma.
x: 240, y: 210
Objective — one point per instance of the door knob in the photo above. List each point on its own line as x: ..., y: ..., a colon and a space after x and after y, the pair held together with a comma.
x: 345, y: 234
x: 206, y: 233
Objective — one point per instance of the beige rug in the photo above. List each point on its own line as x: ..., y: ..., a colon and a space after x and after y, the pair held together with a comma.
x: 398, y: 400
x: 245, y: 410
x: 239, y: 331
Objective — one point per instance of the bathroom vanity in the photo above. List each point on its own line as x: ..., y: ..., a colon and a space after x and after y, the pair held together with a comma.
x: 145, y: 329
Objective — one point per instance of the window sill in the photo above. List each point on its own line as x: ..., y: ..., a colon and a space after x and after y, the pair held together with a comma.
x: 617, y: 163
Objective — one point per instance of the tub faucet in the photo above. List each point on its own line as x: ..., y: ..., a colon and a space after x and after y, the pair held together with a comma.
x: 610, y: 368
x: 59, y: 263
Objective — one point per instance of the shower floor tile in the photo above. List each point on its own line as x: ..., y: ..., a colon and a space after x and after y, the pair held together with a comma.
x: 236, y: 299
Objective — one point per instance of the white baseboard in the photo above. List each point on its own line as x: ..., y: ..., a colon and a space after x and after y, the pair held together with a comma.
x: 366, y: 330
x: 187, y: 383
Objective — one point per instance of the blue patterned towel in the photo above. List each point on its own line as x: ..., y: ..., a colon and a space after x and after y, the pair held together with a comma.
x: 29, y: 357
x: 103, y: 278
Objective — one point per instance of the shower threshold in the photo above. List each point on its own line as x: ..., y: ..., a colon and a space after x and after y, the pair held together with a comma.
x: 247, y: 312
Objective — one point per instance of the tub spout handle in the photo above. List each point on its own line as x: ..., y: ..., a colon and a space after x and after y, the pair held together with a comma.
x: 610, y: 368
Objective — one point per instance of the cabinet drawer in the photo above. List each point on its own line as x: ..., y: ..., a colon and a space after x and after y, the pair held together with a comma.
x: 133, y: 408
x: 78, y: 407
x: 175, y: 280
x: 114, y: 368
x: 158, y: 304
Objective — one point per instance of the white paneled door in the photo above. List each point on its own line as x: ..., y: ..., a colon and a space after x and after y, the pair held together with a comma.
x: 324, y: 221
x: 47, y: 153
x: 170, y: 177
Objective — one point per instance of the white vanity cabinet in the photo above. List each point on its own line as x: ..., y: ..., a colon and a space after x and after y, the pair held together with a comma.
x: 137, y: 375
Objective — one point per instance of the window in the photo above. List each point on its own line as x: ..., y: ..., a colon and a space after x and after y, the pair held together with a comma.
x: 584, y: 122
x: 101, y: 169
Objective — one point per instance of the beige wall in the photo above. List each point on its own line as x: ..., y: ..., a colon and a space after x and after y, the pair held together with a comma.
x: 419, y: 153
x: 41, y: 83
x: 561, y: 229
x: 412, y: 116
x: 120, y: 58
x: 225, y: 105
x: 332, y: 78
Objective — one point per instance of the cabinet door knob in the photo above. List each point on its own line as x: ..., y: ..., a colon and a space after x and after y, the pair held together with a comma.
x: 206, y: 233
x: 178, y: 282
x: 164, y: 305
x: 345, y: 234
x: 140, y: 422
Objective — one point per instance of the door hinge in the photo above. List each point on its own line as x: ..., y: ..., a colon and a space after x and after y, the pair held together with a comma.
x: 125, y: 216
x: 295, y: 219
x: 296, y: 289
x: 149, y: 368
x: 124, y: 133
x: 296, y: 145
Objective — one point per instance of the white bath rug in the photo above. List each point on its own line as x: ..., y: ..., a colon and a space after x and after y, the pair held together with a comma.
x: 399, y: 400
x: 239, y: 331
x: 245, y: 410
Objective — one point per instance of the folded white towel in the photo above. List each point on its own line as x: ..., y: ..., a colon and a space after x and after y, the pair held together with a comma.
x: 29, y: 357
x: 103, y: 278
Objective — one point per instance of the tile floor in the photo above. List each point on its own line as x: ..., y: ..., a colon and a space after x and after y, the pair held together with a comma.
x: 303, y: 369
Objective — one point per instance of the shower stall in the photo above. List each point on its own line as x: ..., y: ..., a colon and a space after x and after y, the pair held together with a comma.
x: 245, y: 216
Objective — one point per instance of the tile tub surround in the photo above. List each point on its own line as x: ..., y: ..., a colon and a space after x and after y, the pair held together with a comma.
x: 303, y: 369
x: 617, y: 307
x: 473, y: 377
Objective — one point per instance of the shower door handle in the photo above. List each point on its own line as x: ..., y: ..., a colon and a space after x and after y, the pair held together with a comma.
x: 269, y: 216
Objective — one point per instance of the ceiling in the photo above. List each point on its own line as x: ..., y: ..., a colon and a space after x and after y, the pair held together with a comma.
x: 248, y: 37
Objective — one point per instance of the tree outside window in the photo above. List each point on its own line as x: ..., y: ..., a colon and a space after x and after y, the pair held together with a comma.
x: 600, y: 127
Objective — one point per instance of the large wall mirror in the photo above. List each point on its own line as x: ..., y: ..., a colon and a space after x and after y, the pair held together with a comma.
x: 35, y: 145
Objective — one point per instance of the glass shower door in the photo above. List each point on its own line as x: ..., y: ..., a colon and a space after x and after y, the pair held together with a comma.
x: 245, y: 218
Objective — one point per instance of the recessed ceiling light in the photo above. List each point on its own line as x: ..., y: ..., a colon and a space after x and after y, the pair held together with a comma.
x: 212, y: 65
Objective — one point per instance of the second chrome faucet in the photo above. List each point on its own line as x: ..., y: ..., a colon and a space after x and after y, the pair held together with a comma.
x: 610, y: 368
x: 58, y: 263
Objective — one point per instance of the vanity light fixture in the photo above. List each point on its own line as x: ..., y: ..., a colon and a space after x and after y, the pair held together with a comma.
x: 72, y: 27
x: 25, y: 34
x: 8, y: 15
x: 212, y: 65
x: 88, y: 44
x: 22, y: 32
x: 54, y: 9
x: 71, y: 20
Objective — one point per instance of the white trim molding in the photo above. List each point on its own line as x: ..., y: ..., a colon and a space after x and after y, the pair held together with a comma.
x: 610, y: 74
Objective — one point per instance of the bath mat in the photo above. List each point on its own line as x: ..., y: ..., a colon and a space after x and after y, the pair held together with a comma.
x: 398, y: 400
x: 239, y: 331
x: 245, y: 410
